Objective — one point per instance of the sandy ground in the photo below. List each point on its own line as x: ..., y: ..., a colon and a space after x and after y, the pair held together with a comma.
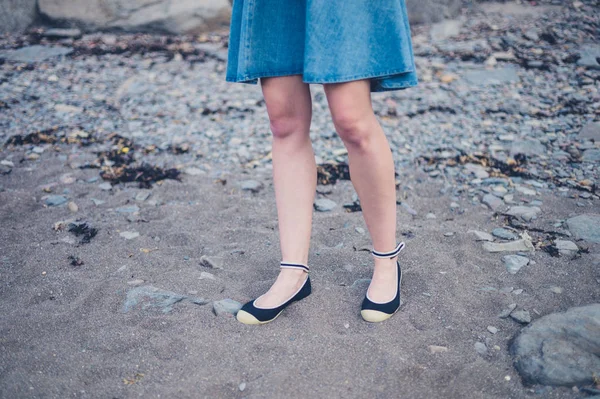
x: 65, y: 333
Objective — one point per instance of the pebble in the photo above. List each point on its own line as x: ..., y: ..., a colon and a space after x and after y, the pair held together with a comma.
x: 226, y: 306
x: 437, y: 349
x: 514, y: 263
x: 507, y: 311
x: 481, y: 235
x: 556, y: 290
x: 481, y: 348
x: 97, y: 201
x: 504, y: 234
x: 566, y: 248
x: 55, y: 200
x: 521, y: 316
x: 242, y: 386
x: 128, y: 209
x: 513, y: 246
x: 212, y: 262
x: 449, y: 234
x: 143, y: 195
x: 129, y: 235
x: 492, y: 329
x: 430, y: 216
x: 251, y: 185
x: 207, y: 275
x: 324, y: 205
x: 492, y: 201
x: 105, y: 186
x: 72, y: 207
x: 527, y: 213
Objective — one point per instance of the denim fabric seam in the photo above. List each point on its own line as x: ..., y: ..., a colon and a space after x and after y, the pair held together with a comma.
x: 248, y: 23
x: 266, y: 75
x: 339, y: 79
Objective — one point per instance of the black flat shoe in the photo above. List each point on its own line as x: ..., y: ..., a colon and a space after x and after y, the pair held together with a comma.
x: 252, y: 314
x: 377, y: 311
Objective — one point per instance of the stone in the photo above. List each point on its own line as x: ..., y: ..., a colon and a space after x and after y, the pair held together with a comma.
x: 73, y: 207
x: 148, y: 297
x: 566, y: 248
x: 178, y: 17
x: 251, y: 185
x: 589, y: 56
x: 55, y: 200
x: 437, y: 349
x: 207, y: 275
x: 105, y: 186
x: 492, y: 329
x: 445, y: 29
x: 498, y: 76
x: 143, y: 195
x: 560, y: 349
x: 57, y: 33
x: 521, y: 316
x: 212, y: 262
x: 492, y: 201
x: 591, y: 155
x: 129, y: 235
x: 507, y: 311
x: 526, y: 213
x: 408, y: 208
x: 504, y: 234
x: 361, y: 283
x: 481, y: 235
x: 481, y: 348
x: 590, y: 131
x: 36, y: 53
x: 525, y: 190
x: 527, y: 147
x: 324, y: 205
x: 585, y: 227
x: 226, y: 306
x: 128, y: 209
x: 193, y: 171
x: 430, y: 216
x: 514, y: 263
x: 513, y: 246
x: 17, y: 15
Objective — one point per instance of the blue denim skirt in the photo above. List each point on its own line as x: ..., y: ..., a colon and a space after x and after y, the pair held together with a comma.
x: 325, y: 41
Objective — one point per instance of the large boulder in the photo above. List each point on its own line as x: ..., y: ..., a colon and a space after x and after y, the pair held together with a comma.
x: 16, y: 15
x: 560, y: 348
x: 169, y: 16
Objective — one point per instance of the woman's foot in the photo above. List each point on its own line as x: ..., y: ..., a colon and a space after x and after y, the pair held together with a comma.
x: 287, y: 283
x: 385, y: 280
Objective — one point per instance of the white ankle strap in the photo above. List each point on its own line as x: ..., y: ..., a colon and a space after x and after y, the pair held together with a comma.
x: 291, y: 265
x: 390, y: 254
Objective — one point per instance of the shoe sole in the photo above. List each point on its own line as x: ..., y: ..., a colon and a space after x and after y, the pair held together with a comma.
x: 246, y: 318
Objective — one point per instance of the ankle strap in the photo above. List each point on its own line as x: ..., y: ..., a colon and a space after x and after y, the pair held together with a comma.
x: 290, y: 265
x: 390, y: 254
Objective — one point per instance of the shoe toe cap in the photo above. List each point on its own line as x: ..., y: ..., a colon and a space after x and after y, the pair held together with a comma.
x: 246, y: 318
x: 374, y: 316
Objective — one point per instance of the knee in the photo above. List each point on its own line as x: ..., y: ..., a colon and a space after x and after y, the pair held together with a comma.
x: 354, y: 129
x: 286, y: 123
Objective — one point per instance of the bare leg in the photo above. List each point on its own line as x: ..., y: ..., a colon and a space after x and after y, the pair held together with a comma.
x: 294, y: 176
x: 372, y: 175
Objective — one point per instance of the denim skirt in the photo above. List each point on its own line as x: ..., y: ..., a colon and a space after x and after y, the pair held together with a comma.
x: 325, y: 41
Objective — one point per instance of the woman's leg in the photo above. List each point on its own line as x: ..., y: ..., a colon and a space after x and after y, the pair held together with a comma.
x: 294, y: 176
x: 371, y: 172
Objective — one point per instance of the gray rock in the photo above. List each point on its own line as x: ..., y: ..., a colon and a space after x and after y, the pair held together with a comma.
x: 591, y: 155
x: 226, y: 306
x: 62, y: 33
x: 492, y: 329
x: 560, y: 348
x: 492, y: 201
x: 589, y: 56
x: 212, y: 262
x: 507, y: 311
x: 17, y: 15
x: 129, y: 235
x: 34, y: 53
x: 55, y: 200
x: 193, y: 171
x: 105, y: 186
x: 408, y: 208
x: 324, y: 205
x: 430, y: 216
x: 143, y: 195
x: 361, y: 283
x: 153, y: 298
x: 514, y: 263
x: 182, y: 16
x: 513, y: 246
x: 585, y: 227
x: 590, y: 131
x: 445, y: 29
x: 481, y: 348
x: 481, y: 235
x: 492, y: 76
x: 504, y: 234
x: 521, y: 316
x: 526, y: 213
x: 128, y: 209
x: 566, y: 248
x: 251, y: 185
x: 527, y: 147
